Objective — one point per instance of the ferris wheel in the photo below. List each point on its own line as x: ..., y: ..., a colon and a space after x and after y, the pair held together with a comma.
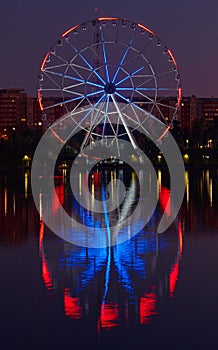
x: 114, y: 70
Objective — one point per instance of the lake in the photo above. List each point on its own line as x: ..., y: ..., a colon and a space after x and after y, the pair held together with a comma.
x: 150, y: 291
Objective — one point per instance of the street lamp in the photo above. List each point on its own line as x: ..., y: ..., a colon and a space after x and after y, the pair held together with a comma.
x: 209, y: 143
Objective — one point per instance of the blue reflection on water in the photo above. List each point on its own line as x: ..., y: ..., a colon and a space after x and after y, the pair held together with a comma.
x: 126, y: 257
x: 116, y: 279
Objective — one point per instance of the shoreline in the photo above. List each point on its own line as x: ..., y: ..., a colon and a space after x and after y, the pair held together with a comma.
x: 4, y: 170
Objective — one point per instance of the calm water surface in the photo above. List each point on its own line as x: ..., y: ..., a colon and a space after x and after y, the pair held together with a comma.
x: 150, y: 291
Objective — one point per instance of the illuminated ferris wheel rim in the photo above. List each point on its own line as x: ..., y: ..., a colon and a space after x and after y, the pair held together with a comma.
x: 101, y: 19
x: 107, y: 86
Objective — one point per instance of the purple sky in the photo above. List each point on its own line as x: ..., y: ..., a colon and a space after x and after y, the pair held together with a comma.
x: 189, y: 28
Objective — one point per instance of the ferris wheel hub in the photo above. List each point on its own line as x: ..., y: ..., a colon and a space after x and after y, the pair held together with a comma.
x: 110, y: 88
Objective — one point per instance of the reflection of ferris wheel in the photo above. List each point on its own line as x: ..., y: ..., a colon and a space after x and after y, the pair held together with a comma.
x: 101, y: 63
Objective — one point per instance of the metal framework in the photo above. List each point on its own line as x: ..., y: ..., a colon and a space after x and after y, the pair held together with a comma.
x: 105, y: 65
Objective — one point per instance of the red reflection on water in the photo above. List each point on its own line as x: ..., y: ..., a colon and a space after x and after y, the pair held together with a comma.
x: 41, y: 234
x: 58, y: 196
x: 109, y: 315
x: 165, y: 199
x: 147, y: 307
x: 97, y: 178
x: 72, y: 305
x: 174, y: 274
x: 46, y: 274
x: 45, y: 271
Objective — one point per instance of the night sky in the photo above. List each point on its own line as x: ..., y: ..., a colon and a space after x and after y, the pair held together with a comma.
x: 189, y: 28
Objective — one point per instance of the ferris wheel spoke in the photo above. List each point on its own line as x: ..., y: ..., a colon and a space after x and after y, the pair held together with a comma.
x: 83, y: 81
x: 76, y: 69
x: 91, y: 128
x: 140, y: 91
x: 118, y: 125
x: 123, y: 58
x: 164, y: 105
x: 166, y: 89
x: 75, y: 72
x: 92, y: 69
x: 96, y: 54
x: 74, y: 112
x: 132, y: 103
x: 144, y: 89
x: 134, y: 124
x: 56, y: 66
x: 76, y: 108
x: 136, y: 117
x: 161, y: 113
x: 151, y: 77
x: 112, y: 141
x: 129, y: 76
x: 149, y: 113
x: 49, y: 89
x: 105, y: 57
x: 94, y: 84
x: 145, y: 96
x: 94, y: 93
x: 164, y: 73
x: 162, y: 98
x: 62, y: 102
x: 105, y: 116
x: 67, y: 88
x: 74, y: 65
x: 111, y: 125
x: 59, y: 57
x: 145, y: 129
x: 58, y: 74
x: 122, y: 97
x: 74, y: 92
x: 52, y: 80
x: 92, y: 108
x: 124, y: 123
x: 88, y: 113
x: 139, y: 53
x: 79, y: 97
x: 133, y: 58
x: 152, y: 108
